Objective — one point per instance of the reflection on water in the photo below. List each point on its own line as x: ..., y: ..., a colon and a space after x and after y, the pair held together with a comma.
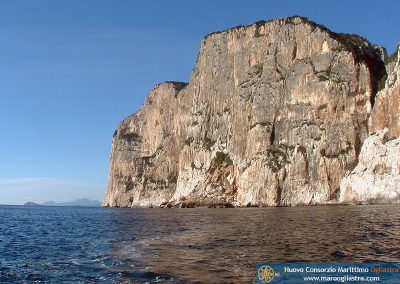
x: 187, y: 245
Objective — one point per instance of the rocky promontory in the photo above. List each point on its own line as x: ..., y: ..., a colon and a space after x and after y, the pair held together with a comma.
x: 376, y: 178
x: 275, y: 114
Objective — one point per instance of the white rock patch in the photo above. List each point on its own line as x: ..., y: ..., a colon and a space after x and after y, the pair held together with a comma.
x: 377, y: 175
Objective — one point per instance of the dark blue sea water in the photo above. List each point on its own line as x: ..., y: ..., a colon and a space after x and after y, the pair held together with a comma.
x: 104, y: 245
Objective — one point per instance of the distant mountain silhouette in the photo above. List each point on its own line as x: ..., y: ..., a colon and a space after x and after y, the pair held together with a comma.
x: 31, y: 204
x: 79, y: 202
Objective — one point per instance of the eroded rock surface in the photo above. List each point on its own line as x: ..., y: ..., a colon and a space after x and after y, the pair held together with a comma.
x: 386, y: 111
x: 274, y: 114
x: 376, y: 178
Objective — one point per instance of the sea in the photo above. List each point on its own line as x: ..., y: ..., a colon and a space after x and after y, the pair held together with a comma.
x: 193, y: 245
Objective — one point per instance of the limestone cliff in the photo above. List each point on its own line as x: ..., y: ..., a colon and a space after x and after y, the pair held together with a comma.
x: 274, y: 114
x: 386, y: 111
x: 377, y: 175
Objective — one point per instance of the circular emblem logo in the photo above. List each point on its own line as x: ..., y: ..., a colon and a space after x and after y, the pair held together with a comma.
x: 266, y: 273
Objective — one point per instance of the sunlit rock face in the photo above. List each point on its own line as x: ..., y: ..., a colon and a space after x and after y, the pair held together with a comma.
x: 376, y: 178
x: 386, y: 111
x: 274, y: 114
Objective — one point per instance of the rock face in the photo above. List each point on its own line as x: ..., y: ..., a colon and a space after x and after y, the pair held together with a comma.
x: 386, y: 111
x: 376, y: 178
x: 275, y: 113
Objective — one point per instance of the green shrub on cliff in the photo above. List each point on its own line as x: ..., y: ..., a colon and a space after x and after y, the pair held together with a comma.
x: 131, y: 137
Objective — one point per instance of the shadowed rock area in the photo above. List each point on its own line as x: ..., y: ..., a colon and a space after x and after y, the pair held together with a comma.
x: 275, y: 114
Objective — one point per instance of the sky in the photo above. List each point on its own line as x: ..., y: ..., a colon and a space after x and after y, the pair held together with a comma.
x: 71, y: 70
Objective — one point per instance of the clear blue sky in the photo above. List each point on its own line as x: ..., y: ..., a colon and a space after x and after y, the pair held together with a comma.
x: 71, y: 70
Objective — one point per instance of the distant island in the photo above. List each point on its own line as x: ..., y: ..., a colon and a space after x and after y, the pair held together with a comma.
x: 79, y: 202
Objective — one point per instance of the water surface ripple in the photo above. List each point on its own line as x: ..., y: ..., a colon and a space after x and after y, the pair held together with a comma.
x: 104, y: 245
